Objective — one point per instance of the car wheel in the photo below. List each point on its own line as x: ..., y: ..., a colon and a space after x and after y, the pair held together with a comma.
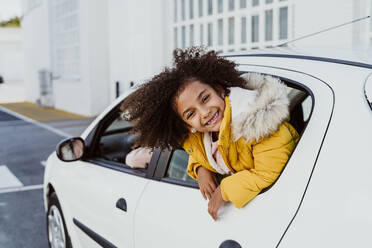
x: 56, y: 227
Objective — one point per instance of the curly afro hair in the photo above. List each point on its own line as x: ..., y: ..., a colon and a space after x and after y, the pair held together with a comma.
x: 151, y: 108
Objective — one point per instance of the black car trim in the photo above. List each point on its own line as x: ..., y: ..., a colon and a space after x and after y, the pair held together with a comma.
x: 118, y: 166
x: 93, y: 235
x: 330, y: 60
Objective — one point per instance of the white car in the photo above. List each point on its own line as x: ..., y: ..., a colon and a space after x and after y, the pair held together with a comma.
x: 323, y: 198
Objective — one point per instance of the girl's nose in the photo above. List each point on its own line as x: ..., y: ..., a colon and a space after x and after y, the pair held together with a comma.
x: 205, y: 112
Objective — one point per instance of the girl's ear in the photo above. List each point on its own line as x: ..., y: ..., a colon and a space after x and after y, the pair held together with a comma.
x: 191, y: 129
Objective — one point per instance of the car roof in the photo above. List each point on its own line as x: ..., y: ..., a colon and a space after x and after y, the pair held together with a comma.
x: 361, y: 57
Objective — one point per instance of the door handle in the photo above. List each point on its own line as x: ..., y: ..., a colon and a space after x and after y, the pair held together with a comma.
x: 122, y: 204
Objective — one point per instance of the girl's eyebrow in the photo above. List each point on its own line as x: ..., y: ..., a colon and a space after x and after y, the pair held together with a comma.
x: 199, y: 96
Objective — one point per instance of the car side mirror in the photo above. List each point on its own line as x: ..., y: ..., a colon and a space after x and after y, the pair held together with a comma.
x: 70, y: 149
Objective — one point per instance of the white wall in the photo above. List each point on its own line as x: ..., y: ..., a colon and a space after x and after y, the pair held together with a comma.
x: 36, y: 47
x: 12, y: 64
x: 88, y: 95
x: 316, y: 15
x: 139, y: 41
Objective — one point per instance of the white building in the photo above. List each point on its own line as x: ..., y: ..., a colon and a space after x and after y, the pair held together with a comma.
x: 89, y: 45
x: 11, y: 55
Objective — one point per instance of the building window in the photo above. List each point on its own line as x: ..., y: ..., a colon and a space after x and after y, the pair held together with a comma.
x: 269, y: 25
x: 183, y: 38
x: 191, y: 34
x: 191, y: 9
x: 255, y: 28
x: 175, y: 38
x: 183, y: 10
x: 65, y: 39
x: 268, y: 1
x: 231, y: 5
x: 201, y: 34
x: 200, y: 8
x: 220, y: 32
x: 175, y: 10
x: 255, y: 3
x: 231, y: 30
x: 220, y: 6
x: 244, y: 30
x: 210, y: 34
x: 210, y: 7
x: 283, y: 23
x: 243, y: 4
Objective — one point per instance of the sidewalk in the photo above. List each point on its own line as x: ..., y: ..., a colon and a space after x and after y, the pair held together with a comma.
x: 69, y: 123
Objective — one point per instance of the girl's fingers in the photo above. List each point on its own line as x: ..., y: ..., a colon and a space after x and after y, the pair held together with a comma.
x: 202, y: 192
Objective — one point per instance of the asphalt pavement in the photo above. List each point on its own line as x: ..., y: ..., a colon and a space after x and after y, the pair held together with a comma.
x: 25, y: 144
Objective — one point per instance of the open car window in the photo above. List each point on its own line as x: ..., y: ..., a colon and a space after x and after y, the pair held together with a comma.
x: 300, y: 107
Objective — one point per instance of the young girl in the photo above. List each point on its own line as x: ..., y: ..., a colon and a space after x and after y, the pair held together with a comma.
x: 229, y: 124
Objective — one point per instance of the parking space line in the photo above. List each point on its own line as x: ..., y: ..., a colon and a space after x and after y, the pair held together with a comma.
x: 18, y: 189
x: 59, y: 132
x: 7, y: 179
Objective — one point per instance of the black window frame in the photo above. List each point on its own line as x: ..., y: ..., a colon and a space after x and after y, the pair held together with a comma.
x: 92, y: 142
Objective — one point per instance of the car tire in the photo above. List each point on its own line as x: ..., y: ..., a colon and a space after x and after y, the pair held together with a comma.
x: 56, y: 226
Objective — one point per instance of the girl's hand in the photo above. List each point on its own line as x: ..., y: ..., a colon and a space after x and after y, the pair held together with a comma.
x: 207, y: 182
x: 215, y: 203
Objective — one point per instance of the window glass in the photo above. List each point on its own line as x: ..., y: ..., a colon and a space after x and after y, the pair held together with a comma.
x: 183, y: 10
x: 255, y: 3
x: 183, y: 34
x: 283, y: 23
x: 200, y: 8
x: 191, y: 35
x: 201, y: 34
x: 231, y: 5
x: 175, y: 11
x: 210, y: 7
x: 231, y: 30
x: 243, y: 4
x: 210, y: 34
x: 191, y: 9
x: 306, y: 108
x: 220, y: 32
x: 244, y: 30
x: 178, y: 166
x: 65, y: 36
x: 255, y: 28
x: 220, y: 6
x: 175, y: 38
x: 268, y: 1
x: 269, y: 25
x: 115, y: 142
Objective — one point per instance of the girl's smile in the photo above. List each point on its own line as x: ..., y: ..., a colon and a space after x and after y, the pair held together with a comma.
x: 200, y: 107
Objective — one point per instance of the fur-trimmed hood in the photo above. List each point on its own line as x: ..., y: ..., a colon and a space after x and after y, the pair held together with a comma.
x: 258, y: 110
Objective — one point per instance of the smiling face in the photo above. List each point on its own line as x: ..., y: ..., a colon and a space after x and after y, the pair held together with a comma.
x: 200, y: 107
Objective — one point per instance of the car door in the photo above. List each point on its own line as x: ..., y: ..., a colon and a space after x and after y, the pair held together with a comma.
x: 172, y: 212
x: 100, y: 194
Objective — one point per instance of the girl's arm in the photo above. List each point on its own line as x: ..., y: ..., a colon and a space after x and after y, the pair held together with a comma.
x: 206, y: 179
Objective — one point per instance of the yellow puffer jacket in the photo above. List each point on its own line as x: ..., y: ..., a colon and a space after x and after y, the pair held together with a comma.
x: 255, y: 141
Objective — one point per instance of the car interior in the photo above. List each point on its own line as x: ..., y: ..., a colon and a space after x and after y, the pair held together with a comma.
x: 116, y: 141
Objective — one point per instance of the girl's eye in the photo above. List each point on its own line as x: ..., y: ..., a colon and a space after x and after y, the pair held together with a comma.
x: 205, y: 98
x: 191, y: 113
